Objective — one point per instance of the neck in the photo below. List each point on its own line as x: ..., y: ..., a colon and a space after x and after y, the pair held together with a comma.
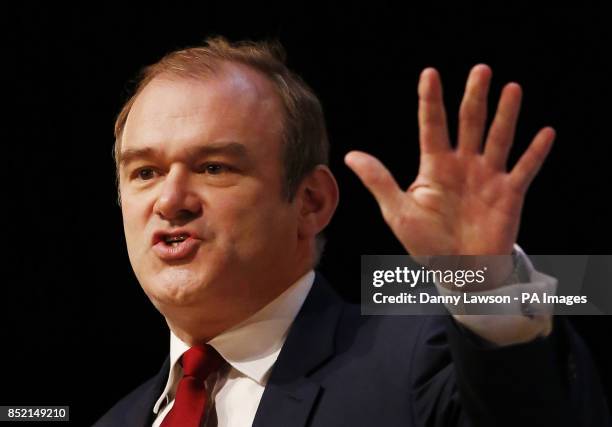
x: 200, y: 324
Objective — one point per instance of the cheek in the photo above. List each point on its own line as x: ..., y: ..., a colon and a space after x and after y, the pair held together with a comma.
x: 254, y: 224
x: 134, y: 227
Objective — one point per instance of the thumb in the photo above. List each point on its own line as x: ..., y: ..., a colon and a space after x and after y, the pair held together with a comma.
x: 376, y: 177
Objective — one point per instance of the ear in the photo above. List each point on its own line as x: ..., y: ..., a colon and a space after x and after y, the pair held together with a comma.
x: 317, y: 199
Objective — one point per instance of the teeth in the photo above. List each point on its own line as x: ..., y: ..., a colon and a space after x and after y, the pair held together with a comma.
x: 175, y: 240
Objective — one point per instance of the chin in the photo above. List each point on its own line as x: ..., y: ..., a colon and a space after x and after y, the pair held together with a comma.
x: 175, y: 287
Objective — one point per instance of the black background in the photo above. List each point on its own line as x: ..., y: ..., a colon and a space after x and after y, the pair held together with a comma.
x: 78, y: 328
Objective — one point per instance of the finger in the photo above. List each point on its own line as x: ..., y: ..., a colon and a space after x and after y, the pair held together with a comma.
x: 433, y: 130
x: 532, y: 159
x: 377, y: 178
x: 473, y: 110
x: 503, y: 127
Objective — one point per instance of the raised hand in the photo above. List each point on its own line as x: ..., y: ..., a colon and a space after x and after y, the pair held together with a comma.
x: 464, y: 201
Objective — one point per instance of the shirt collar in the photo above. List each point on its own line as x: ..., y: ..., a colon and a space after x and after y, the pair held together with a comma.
x: 252, y: 346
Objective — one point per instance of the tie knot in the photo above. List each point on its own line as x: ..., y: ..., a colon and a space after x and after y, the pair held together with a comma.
x: 200, y: 361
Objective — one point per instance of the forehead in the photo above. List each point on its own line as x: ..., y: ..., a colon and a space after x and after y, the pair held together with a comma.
x: 234, y: 103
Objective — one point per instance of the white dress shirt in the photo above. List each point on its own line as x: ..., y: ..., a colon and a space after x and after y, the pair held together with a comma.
x: 250, y: 350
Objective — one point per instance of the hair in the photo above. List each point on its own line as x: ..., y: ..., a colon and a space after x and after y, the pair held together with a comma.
x: 304, y: 140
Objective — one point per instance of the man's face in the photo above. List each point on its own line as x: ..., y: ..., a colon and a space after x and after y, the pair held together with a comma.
x: 200, y: 179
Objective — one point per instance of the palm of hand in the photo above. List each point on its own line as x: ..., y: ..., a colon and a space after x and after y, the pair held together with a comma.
x: 455, y: 202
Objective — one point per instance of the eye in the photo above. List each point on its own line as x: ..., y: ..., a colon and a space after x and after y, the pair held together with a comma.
x: 145, y: 174
x: 214, y: 168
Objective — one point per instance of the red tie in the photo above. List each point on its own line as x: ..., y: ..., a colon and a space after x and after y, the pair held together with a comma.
x: 191, y: 402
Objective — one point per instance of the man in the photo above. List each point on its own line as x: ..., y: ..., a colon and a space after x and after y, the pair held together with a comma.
x: 221, y: 158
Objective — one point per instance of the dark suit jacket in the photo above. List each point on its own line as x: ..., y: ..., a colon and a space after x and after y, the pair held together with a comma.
x: 338, y: 368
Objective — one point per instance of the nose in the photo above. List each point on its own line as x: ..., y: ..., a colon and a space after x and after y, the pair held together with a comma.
x: 177, y: 201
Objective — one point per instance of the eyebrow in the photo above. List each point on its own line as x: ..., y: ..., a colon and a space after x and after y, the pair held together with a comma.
x: 233, y: 149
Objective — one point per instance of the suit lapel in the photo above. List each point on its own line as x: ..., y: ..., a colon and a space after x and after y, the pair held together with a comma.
x: 290, y: 392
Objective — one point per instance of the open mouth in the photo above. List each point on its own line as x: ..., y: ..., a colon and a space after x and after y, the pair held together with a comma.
x: 175, y: 246
x: 175, y: 240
